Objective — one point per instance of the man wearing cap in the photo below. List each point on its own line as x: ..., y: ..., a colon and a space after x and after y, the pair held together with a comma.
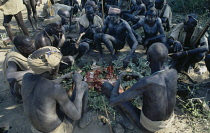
x: 164, y: 13
x: 12, y: 8
x: 119, y: 32
x: 46, y: 104
x: 15, y: 64
x: 158, y: 90
x: 181, y: 42
x: 153, y: 28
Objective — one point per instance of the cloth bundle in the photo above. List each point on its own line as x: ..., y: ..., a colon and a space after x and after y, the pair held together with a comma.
x: 44, y: 59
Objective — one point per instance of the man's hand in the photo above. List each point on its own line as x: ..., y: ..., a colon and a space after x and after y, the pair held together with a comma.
x: 179, y: 55
x: 177, y: 46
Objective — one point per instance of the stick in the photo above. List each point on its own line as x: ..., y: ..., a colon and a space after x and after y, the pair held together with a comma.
x: 103, y: 10
x: 110, y: 127
x: 80, y: 37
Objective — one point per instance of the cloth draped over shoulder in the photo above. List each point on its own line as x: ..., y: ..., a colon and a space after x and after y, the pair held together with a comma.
x: 165, y: 12
x: 12, y: 7
x: 179, y: 34
x: 47, y: 61
x: 97, y: 21
x: 154, y: 126
x: 15, y: 56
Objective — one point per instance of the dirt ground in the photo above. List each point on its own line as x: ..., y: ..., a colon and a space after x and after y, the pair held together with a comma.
x: 13, y: 119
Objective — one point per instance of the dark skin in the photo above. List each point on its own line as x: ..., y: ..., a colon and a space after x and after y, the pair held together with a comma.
x: 159, y: 91
x: 89, y: 31
x: 20, y: 22
x: 153, y: 29
x: 55, y: 30
x: 138, y: 9
x: 31, y: 7
x: 52, y: 100
x: 179, y: 51
x: 14, y: 74
x: 119, y: 30
x: 65, y: 18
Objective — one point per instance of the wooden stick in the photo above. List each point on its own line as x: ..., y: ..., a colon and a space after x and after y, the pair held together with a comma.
x: 110, y: 127
x: 80, y: 37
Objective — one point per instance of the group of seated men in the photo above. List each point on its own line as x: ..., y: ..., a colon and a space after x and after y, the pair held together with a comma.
x: 31, y: 67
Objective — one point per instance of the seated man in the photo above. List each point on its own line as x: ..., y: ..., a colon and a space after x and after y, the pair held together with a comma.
x: 159, y: 94
x: 153, y: 29
x: 149, y: 3
x: 15, y: 64
x: 12, y: 8
x: 126, y: 4
x: 90, y: 24
x: 164, y: 13
x: 134, y: 15
x: 46, y: 104
x: 119, y: 32
x: 182, y: 40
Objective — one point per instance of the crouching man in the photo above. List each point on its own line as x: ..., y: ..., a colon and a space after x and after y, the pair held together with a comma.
x: 159, y: 94
x: 46, y: 104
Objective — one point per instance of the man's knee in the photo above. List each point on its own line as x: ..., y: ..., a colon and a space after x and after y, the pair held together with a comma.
x: 83, y: 47
x: 6, y: 25
x: 163, y: 40
x: 107, y: 89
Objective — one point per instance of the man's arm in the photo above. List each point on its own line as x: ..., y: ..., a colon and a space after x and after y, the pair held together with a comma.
x: 139, y: 87
x: 104, y: 29
x: 133, y: 38
x: 138, y: 25
x: 13, y: 75
x: 72, y: 110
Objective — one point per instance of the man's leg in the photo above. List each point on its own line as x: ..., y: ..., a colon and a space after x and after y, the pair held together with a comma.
x: 33, y: 6
x: 7, y: 20
x: 29, y: 12
x: 109, y: 41
x: 19, y: 19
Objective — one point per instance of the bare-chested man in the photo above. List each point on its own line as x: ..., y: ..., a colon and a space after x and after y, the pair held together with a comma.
x: 153, y: 28
x: 159, y: 93
x: 119, y: 32
x: 15, y: 64
x: 46, y: 104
